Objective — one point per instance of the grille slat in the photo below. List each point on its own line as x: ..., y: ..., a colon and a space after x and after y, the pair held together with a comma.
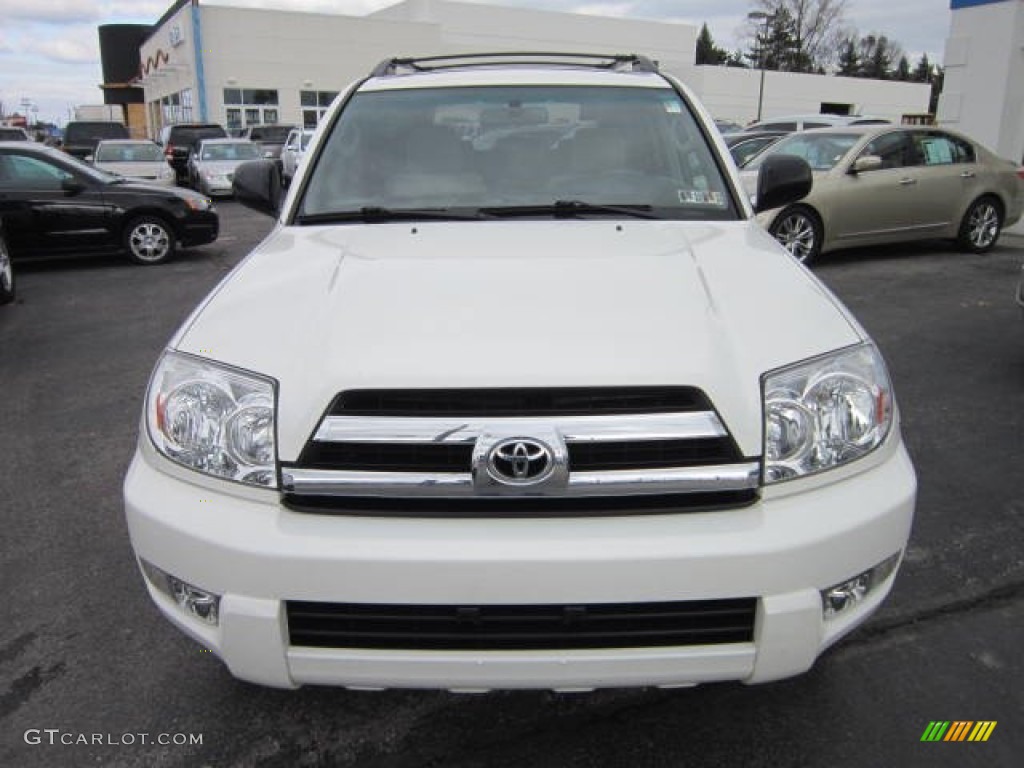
x: 521, y: 627
x: 571, y: 401
x: 583, y: 457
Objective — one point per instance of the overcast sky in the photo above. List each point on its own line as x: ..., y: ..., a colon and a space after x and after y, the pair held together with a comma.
x: 49, y: 49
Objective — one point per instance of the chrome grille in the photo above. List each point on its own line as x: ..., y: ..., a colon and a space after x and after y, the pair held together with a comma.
x: 432, y: 444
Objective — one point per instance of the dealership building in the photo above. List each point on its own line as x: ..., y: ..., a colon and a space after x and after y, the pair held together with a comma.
x: 242, y: 66
x: 983, y: 92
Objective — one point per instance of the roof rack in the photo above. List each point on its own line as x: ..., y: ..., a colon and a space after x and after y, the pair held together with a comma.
x: 611, y: 61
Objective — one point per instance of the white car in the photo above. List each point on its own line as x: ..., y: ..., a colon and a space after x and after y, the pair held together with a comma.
x: 133, y: 159
x: 293, y: 151
x: 534, y: 403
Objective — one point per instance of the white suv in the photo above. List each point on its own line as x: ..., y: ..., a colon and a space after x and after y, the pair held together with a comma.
x: 518, y: 394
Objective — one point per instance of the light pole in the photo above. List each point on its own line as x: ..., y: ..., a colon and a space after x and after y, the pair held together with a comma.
x: 766, y: 18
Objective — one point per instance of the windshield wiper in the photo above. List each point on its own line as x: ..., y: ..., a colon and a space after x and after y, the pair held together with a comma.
x: 374, y: 213
x: 573, y: 208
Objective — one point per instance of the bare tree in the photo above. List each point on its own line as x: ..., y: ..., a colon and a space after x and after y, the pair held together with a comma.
x: 818, y: 29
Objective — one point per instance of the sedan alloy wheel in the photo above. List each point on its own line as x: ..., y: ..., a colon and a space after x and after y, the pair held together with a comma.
x: 799, y: 232
x: 149, y: 241
x: 981, y: 226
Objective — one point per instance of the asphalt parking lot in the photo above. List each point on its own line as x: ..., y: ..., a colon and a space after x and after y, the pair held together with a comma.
x: 84, y: 653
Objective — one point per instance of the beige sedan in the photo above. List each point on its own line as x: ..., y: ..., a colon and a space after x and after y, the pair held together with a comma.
x: 889, y: 184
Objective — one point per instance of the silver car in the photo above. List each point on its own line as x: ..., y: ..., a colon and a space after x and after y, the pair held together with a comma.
x: 211, y: 168
x: 890, y: 184
x: 137, y: 160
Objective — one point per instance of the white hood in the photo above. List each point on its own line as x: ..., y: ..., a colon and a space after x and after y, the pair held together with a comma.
x: 517, y: 304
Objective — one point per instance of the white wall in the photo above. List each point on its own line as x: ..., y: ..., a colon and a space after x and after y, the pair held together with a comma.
x: 293, y: 52
x: 732, y: 93
x: 983, y: 92
x: 467, y: 27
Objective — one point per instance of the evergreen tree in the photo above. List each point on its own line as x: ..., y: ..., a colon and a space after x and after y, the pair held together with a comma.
x: 903, y: 69
x: 849, y: 60
x: 923, y: 71
x: 707, y: 51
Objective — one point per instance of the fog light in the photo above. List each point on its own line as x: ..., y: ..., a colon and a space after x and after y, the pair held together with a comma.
x: 841, y: 597
x: 194, y: 601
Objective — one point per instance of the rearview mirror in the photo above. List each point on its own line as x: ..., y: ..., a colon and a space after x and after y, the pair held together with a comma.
x: 782, y: 179
x: 257, y: 185
x: 866, y: 163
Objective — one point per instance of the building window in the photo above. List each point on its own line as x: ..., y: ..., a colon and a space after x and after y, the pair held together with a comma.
x: 314, y: 106
x: 257, y: 105
x: 175, y: 108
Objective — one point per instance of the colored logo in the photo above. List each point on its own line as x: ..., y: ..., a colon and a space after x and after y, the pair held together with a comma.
x: 958, y: 730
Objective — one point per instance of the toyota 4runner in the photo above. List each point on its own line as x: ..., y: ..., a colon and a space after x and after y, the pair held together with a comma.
x: 517, y: 394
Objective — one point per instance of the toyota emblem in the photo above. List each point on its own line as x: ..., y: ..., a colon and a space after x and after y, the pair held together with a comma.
x: 520, y: 461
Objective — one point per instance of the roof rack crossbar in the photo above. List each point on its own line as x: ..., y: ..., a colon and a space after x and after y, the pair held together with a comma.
x: 635, y: 62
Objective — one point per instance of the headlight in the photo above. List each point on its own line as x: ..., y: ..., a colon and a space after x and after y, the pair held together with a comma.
x: 166, y: 172
x: 197, y: 202
x: 825, y: 412
x: 214, y: 419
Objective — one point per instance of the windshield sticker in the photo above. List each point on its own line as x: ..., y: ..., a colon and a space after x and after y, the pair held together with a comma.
x: 701, y: 197
x: 673, y: 107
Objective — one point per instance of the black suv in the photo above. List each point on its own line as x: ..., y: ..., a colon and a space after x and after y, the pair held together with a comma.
x: 181, y: 140
x: 82, y: 136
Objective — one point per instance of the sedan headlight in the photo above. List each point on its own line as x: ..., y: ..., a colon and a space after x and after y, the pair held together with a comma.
x: 825, y: 412
x: 214, y: 419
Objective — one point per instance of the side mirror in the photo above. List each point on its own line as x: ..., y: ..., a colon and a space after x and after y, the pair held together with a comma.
x: 866, y: 163
x: 72, y: 186
x: 257, y: 185
x: 782, y: 179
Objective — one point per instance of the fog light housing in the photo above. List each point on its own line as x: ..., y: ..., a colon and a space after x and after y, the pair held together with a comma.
x: 193, y: 601
x: 841, y: 598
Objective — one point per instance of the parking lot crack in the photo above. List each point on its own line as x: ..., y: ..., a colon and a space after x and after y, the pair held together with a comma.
x: 26, y: 685
x: 991, y: 599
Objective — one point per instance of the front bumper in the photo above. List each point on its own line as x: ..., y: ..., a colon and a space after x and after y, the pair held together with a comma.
x: 199, y: 228
x: 257, y: 554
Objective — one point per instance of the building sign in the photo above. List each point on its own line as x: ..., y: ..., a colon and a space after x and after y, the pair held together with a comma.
x: 175, y: 35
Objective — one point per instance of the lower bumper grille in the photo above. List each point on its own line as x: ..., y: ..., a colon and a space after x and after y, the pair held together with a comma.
x: 521, y: 627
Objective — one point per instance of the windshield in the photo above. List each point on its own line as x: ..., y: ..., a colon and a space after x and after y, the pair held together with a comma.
x: 271, y: 133
x: 518, y: 146
x: 138, y: 152
x: 12, y: 134
x: 822, y: 151
x: 233, y: 151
